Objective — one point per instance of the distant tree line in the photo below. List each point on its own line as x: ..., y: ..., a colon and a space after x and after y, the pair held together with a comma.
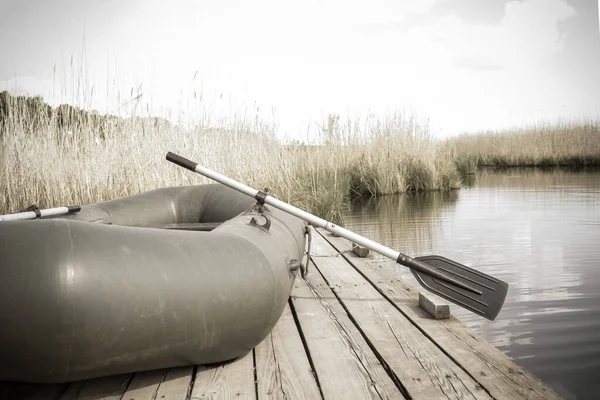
x: 35, y: 113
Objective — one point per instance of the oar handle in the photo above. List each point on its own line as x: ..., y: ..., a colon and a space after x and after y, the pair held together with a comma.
x: 181, y: 161
x: 37, y: 213
x: 319, y: 222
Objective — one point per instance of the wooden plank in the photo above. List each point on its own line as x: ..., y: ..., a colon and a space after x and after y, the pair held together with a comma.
x: 30, y: 391
x: 435, y: 306
x: 105, y: 388
x: 72, y: 391
x: 48, y: 392
x: 494, y: 370
x: 144, y: 385
x: 360, y: 251
x: 282, y: 367
x: 347, y: 368
x: 233, y: 380
x: 422, y: 368
x: 176, y: 385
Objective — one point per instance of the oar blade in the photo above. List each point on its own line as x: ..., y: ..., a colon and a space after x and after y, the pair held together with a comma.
x: 487, y: 304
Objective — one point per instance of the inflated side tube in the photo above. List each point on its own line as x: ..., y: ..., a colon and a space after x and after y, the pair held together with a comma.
x: 80, y: 300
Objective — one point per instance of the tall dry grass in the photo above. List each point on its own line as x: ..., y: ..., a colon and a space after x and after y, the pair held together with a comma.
x: 73, y: 157
x: 574, y: 144
x: 395, y: 154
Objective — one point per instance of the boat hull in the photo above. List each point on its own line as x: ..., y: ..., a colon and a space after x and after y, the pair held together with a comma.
x: 80, y: 300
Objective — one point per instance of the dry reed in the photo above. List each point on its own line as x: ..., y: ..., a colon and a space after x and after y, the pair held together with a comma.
x: 67, y: 156
x: 574, y: 144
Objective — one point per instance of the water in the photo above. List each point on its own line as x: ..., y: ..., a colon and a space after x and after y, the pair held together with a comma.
x: 537, y: 230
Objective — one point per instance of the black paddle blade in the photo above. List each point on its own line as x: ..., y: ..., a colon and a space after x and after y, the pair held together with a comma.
x: 487, y: 304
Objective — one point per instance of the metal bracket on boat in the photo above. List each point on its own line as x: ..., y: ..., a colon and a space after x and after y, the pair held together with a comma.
x: 260, y: 208
x: 265, y: 227
x: 304, y: 268
x: 35, y: 209
x: 260, y: 197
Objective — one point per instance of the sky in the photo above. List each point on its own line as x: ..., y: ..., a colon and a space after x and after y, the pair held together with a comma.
x: 464, y: 65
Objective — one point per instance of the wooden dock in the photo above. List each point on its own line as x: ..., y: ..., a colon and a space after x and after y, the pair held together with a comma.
x: 351, y: 330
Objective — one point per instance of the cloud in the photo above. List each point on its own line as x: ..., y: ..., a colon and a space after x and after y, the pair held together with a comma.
x: 303, y: 58
x: 476, y: 64
x: 528, y: 31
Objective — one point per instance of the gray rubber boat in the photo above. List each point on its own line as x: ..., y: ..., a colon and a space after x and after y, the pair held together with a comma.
x: 172, y: 277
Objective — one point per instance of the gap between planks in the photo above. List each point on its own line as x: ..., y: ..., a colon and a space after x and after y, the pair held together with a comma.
x: 423, y: 370
x: 345, y: 365
x: 495, y: 371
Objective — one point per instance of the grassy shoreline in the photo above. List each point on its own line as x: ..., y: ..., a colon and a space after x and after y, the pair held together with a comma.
x: 65, y: 156
x: 562, y: 144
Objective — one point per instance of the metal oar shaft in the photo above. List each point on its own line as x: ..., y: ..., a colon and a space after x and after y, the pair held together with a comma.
x: 319, y: 222
x: 48, y: 212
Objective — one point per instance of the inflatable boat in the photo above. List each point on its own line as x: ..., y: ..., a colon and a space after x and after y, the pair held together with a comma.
x: 172, y: 277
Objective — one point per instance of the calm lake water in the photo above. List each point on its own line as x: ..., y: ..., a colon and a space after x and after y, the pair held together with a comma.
x: 537, y: 230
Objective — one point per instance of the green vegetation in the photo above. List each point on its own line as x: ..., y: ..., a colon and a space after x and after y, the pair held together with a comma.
x: 575, y: 144
x: 66, y: 155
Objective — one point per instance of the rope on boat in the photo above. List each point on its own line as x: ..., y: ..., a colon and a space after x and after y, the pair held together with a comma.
x: 304, y: 269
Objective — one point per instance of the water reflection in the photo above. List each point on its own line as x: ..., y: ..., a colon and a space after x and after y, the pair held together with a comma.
x: 537, y: 230
x: 411, y: 218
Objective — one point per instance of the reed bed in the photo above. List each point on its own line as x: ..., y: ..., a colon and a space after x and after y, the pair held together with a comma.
x: 64, y: 156
x: 570, y: 144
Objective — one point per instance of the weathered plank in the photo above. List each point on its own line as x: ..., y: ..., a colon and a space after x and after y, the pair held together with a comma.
x: 105, y: 388
x: 48, y: 392
x: 176, y: 385
x: 347, y: 368
x: 435, y: 306
x: 232, y: 380
x: 282, y: 367
x: 359, y: 250
x: 144, y: 385
x: 72, y: 391
x: 30, y: 391
x: 424, y: 370
x: 494, y: 370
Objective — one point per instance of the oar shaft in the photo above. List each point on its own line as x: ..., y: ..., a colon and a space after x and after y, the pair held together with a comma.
x: 48, y: 212
x: 319, y: 222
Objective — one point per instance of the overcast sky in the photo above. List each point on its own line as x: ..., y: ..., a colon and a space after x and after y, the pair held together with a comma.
x: 465, y: 64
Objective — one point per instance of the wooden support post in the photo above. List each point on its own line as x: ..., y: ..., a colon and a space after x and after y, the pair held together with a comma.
x: 437, y: 307
x: 360, y: 250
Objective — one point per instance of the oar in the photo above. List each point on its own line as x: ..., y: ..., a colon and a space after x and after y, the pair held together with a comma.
x: 480, y: 293
x: 34, y: 212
